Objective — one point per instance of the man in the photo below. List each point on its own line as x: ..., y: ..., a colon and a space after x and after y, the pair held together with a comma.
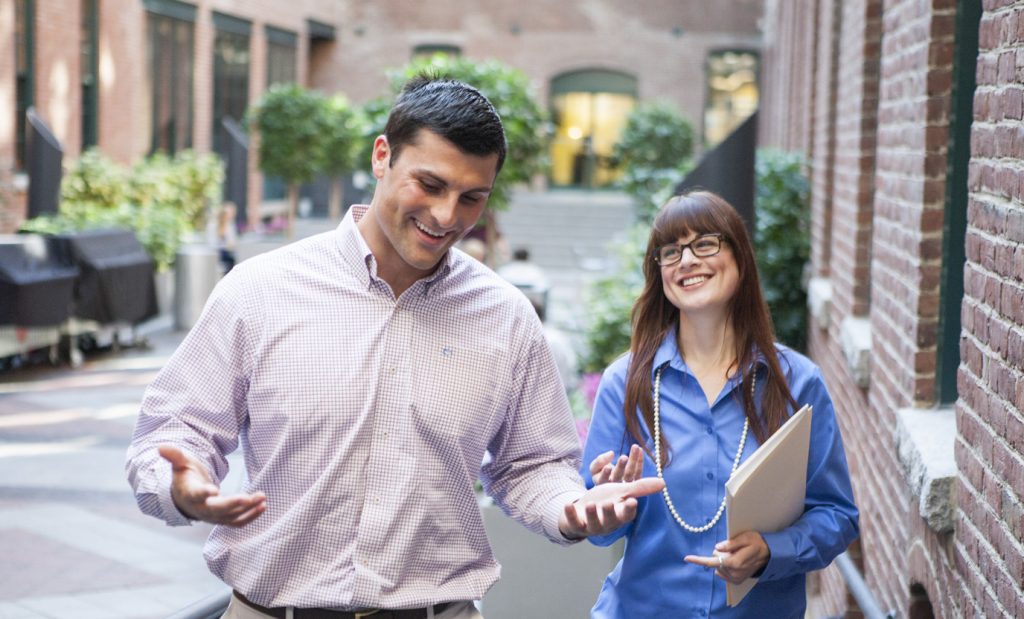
x: 365, y: 373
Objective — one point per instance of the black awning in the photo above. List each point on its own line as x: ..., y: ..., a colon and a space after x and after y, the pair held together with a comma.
x: 35, y: 291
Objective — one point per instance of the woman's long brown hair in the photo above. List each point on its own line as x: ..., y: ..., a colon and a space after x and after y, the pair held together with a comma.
x: 703, y: 212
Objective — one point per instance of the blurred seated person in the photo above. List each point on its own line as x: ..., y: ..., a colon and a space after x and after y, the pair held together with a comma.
x: 475, y: 248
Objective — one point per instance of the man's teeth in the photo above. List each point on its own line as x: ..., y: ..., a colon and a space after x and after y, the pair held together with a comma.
x: 429, y: 231
x: 693, y: 280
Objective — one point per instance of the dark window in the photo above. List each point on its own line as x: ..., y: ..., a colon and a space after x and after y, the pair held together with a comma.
x: 230, y: 72
x: 171, y: 60
x: 89, y: 43
x: 435, y: 48
x: 968, y: 20
x: 24, y: 30
x: 282, y: 56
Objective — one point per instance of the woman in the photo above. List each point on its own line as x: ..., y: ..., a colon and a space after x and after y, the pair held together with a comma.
x: 704, y: 370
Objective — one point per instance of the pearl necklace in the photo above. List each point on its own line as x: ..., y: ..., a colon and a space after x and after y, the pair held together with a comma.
x: 657, y: 455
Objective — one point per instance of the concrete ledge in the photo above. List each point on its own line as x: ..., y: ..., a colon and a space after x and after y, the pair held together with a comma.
x: 855, y: 338
x: 20, y: 182
x: 924, y: 443
x: 819, y: 300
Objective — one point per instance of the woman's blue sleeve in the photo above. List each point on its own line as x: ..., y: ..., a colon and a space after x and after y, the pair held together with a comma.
x: 830, y: 519
x: 607, y: 432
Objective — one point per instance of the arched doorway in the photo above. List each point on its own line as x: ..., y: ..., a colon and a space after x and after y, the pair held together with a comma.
x: 589, y: 110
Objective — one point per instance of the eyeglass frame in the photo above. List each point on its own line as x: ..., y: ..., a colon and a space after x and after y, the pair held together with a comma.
x: 684, y: 246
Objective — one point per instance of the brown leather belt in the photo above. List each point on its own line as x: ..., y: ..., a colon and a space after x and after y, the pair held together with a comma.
x: 323, y: 613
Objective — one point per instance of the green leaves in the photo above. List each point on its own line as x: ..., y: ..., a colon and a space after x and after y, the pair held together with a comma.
x: 655, y: 149
x: 782, y: 239
x: 507, y: 88
x: 291, y: 122
x: 610, y: 299
x: 342, y: 133
x: 160, y: 198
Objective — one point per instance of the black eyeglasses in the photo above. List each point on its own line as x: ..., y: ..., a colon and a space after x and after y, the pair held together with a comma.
x: 704, y: 246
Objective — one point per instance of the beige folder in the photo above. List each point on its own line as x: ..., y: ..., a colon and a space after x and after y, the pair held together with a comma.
x: 766, y: 493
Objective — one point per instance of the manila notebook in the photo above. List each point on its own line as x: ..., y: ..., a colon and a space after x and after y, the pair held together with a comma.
x: 766, y: 493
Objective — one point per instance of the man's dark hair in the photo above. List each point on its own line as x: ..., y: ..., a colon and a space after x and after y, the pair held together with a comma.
x: 453, y: 110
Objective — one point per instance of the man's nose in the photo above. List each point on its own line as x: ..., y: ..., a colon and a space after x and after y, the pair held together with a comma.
x: 445, y: 211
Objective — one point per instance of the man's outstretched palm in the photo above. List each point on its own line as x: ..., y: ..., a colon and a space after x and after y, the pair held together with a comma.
x: 198, y: 497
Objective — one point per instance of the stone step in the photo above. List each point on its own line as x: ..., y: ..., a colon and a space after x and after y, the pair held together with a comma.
x: 566, y: 230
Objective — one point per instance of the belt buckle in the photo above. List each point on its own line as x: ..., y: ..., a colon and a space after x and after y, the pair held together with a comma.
x: 367, y: 614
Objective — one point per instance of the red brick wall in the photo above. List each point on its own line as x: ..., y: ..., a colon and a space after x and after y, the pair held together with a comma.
x: 58, y: 82
x: 823, y: 147
x: 977, y: 570
x: 123, y: 130
x: 990, y: 449
x: 9, y: 216
x: 854, y: 182
x: 787, y: 77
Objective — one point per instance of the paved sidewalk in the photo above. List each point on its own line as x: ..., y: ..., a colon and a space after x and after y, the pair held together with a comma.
x: 74, y: 543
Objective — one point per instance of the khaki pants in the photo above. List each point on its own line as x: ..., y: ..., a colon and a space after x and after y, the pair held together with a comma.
x: 459, y: 610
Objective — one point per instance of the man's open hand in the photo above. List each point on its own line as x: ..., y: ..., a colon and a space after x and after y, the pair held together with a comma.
x: 197, y: 497
x: 604, y: 508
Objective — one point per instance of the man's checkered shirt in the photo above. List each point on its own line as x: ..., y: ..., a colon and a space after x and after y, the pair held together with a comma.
x: 364, y: 419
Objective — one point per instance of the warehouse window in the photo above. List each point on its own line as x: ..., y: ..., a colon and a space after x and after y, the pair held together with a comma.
x: 435, y: 48
x: 90, y: 60
x: 230, y: 72
x: 732, y: 93
x: 589, y: 109
x: 282, y: 56
x: 24, y: 30
x: 968, y: 20
x: 170, y: 57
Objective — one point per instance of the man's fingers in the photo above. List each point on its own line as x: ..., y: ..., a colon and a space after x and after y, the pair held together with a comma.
x: 626, y: 510
x: 572, y: 517
x: 175, y: 456
x: 248, y: 516
x: 643, y: 487
x: 233, y: 505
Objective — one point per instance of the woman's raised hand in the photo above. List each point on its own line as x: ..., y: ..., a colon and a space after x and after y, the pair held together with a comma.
x: 624, y: 469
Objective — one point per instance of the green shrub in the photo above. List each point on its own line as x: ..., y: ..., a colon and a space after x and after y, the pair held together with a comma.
x: 655, y: 150
x: 507, y: 88
x: 95, y: 179
x: 160, y: 199
x: 610, y: 299
x: 782, y: 239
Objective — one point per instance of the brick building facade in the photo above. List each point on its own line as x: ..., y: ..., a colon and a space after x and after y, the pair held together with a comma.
x: 910, y: 115
x: 661, y: 48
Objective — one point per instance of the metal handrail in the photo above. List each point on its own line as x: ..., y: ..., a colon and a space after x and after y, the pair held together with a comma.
x: 210, y: 607
x: 859, y: 589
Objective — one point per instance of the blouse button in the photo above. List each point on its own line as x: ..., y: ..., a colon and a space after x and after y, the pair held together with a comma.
x: 711, y: 475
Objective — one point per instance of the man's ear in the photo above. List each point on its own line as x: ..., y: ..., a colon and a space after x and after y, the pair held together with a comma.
x: 381, y: 157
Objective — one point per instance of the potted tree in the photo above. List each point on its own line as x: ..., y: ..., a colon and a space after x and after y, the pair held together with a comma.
x: 343, y: 133
x: 290, y: 121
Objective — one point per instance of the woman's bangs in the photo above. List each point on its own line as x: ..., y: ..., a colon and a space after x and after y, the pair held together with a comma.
x: 682, y: 216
